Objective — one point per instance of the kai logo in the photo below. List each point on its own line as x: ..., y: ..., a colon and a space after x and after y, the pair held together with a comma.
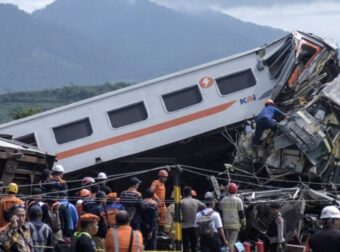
x: 247, y: 99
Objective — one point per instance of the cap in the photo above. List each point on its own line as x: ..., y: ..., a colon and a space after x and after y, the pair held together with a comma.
x: 134, y: 181
x: 84, y: 193
x: 163, y: 173
x: 330, y: 212
x: 101, y: 195
x: 58, y: 168
x: 112, y: 195
x: 12, y: 188
x: 89, y: 217
x: 275, y: 205
x: 102, y: 175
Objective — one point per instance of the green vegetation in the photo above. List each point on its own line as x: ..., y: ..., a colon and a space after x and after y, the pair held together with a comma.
x: 17, y: 105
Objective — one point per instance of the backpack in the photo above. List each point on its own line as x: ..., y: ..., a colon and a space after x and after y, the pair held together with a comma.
x: 204, y: 224
x: 53, y: 214
x: 39, y: 237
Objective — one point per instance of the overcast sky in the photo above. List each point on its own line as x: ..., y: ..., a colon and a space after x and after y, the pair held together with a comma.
x: 319, y: 17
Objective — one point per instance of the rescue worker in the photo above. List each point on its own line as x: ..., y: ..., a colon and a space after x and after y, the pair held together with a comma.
x: 109, y: 211
x: 16, y: 235
x: 123, y: 238
x: 265, y: 120
x: 41, y: 233
x: 86, y: 182
x: 88, y: 228
x: 233, y: 215
x: 275, y: 230
x: 101, y: 180
x: 7, y: 202
x: 55, y: 181
x: 89, y: 203
x: 158, y: 187
x: 84, y: 193
x: 133, y: 202
x: 189, y: 208
x: 149, y: 220
x: 327, y: 239
x: 210, y: 242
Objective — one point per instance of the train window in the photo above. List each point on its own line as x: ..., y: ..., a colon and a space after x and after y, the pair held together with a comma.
x: 27, y: 139
x: 236, y: 82
x: 127, y: 115
x: 72, y: 131
x: 182, y: 99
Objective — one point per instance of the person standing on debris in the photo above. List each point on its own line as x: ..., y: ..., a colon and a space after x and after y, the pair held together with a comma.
x: 7, y: 202
x: 16, y: 235
x: 210, y: 228
x: 158, y: 187
x: 89, y: 228
x: 101, y: 180
x: 189, y: 208
x: 123, y: 238
x: 233, y: 215
x: 42, y: 235
x: 275, y: 230
x: 265, y: 120
x: 327, y: 239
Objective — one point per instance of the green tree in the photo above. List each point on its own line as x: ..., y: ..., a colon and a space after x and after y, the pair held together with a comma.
x: 24, y: 112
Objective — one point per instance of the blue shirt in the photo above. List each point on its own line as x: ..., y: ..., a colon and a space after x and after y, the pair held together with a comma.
x: 72, y: 214
x: 269, y: 112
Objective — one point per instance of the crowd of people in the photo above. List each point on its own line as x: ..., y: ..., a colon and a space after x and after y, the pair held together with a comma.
x: 97, y: 219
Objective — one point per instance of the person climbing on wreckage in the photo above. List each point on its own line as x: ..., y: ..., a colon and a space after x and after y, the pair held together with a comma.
x: 265, y: 120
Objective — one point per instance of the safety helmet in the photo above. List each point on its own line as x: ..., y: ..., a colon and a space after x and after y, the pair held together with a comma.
x: 87, y: 181
x: 232, y: 188
x: 163, y: 173
x: 330, y: 212
x: 193, y: 193
x: 12, y: 188
x: 268, y: 102
x: 58, y: 168
x: 84, y: 193
x: 102, y: 176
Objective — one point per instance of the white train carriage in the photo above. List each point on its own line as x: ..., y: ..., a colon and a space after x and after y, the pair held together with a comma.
x: 164, y: 110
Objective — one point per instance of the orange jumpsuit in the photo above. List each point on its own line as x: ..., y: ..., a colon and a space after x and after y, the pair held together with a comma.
x: 123, y: 235
x: 159, y: 189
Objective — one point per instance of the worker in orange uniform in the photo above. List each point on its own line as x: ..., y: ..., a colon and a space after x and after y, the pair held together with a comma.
x: 158, y: 187
x: 123, y: 238
x: 7, y: 202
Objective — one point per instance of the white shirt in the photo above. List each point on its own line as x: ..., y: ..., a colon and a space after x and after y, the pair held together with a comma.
x: 215, y: 219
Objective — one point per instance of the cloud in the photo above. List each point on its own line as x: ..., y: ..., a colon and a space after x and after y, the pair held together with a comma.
x: 28, y: 5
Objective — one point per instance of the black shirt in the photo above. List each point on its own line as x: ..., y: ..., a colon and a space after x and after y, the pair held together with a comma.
x: 85, y: 244
x: 325, y: 240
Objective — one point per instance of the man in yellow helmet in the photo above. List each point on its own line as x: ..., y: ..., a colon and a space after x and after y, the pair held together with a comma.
x: 7, y: 202
x: 265, y: 120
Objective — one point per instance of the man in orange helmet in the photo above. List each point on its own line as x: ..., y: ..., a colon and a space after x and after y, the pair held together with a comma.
x: 265, y: 120
x: 158, y: 187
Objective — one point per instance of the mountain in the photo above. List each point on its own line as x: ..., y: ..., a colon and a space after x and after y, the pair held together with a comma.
x: 39, y: 54
x: 91, y: 41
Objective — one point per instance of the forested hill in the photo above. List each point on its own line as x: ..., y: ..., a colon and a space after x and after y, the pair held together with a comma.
x: 21, y: 104
x: 94, y: 41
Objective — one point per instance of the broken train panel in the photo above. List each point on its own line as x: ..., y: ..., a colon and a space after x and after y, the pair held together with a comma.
x: 307, y: 143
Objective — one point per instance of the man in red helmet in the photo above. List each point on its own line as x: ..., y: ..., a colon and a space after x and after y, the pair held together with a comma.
x: 158, y: 187
x: 265, y: 120
x: 233, y: 215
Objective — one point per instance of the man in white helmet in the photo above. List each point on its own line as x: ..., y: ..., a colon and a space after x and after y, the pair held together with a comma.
x: 55, y: 181
x: 327, y: 239
x: 101, y: 180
